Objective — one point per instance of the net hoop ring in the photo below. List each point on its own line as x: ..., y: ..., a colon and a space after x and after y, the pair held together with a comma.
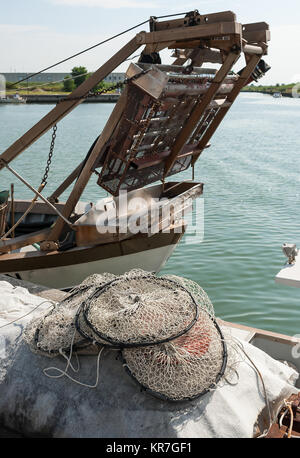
x: 164, y: 397
x: 90, y: 338
x: 122, y: 344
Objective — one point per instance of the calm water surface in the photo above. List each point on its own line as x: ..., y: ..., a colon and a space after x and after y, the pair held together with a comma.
x: 251, y: 200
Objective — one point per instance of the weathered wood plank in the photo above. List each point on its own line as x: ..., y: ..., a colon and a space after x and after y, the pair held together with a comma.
x: 23, y: 240
x: 188, y: 33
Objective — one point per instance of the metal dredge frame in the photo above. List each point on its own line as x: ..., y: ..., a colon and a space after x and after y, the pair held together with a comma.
x: 214, y: 38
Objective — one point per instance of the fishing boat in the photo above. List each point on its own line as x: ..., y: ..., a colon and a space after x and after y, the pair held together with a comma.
x: 159, y: 127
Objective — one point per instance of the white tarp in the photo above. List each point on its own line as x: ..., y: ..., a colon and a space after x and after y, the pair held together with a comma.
x: 31, y: 403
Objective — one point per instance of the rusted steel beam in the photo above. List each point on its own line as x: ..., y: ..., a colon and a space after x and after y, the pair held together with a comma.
x: 199, y: 110
x: 179, y: 69
x: 244, y: 77
x: 223, y: 16
x: 23, y: 240
x: 189, y: 33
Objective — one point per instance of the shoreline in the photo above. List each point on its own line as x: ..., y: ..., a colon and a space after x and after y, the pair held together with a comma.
x: 284, y: 94
x: 112, y: 98
x: 105, y: 98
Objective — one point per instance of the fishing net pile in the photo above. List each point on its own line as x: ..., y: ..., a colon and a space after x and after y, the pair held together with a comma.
x: 164, y: 328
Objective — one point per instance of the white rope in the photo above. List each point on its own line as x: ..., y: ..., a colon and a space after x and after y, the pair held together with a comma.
x: 240, y: 345
x: 64, y: 373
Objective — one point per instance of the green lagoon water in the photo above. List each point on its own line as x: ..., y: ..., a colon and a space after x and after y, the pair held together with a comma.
x: 251, y: 200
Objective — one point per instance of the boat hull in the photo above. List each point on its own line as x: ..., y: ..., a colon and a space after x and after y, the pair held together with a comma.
x: 67, y: 269
x: 95, y: 250
x: 69, y: 276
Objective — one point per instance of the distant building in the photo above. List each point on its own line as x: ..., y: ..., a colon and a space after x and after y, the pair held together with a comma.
x: 114, y: 77
x: 53, y: 77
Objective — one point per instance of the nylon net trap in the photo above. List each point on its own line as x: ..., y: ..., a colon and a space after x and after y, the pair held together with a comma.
x: 164, y: 327
x: 55, y: 331
x: 140, y: 309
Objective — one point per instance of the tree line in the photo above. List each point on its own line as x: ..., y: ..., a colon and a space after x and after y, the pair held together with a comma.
x: 78, y: 76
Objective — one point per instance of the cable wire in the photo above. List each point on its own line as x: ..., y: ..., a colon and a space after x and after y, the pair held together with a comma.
x: 94, y: 46
x: 67, y: 78
x: 81, y: 52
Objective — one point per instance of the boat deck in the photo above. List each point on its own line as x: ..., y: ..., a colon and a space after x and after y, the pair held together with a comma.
x: 278, y: 346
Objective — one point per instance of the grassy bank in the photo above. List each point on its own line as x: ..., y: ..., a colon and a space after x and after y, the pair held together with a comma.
x: 38, y: 89
x: 283, y: 88
x: 58, y: 89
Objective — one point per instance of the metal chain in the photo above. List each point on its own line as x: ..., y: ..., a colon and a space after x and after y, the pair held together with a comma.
x: 122, y: 83
x: 52, y: 144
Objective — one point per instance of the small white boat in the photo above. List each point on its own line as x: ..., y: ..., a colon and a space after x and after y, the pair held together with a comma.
x: 277, y: 95
x: 16, y: 98
x: 289, y: 275
x: 281, y: 347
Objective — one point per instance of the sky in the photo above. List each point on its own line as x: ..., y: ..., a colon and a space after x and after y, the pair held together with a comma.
x: 37, y: 33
